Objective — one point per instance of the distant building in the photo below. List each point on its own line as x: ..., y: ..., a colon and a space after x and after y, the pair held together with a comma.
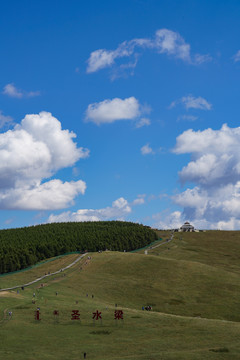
x: 187, y: 227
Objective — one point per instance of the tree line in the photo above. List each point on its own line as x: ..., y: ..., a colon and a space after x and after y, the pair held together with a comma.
x: 23, y: 247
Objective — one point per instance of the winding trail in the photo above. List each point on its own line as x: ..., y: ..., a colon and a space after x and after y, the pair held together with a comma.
x: 68, y: 266
x: 45, y: 276
x: 165, y: 242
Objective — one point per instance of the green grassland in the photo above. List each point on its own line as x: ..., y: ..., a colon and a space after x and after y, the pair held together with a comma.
x: 192, y: 283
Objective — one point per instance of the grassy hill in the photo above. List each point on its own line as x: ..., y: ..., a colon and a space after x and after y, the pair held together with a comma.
x: 191, y: 282
x: 23, y: 247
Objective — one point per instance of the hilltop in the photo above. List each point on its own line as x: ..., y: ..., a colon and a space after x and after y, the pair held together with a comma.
x: 23, y: 247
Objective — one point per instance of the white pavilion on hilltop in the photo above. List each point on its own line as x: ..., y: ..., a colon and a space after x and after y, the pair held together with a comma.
x: 187, y: 227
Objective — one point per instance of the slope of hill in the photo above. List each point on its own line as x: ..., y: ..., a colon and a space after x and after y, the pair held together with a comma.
x: 220, y: 249
x: 195, y: 304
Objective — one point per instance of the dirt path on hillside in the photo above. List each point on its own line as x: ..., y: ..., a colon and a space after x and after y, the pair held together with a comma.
x: 45, y: 276
x: 70, y: 265
x: 165, y: 242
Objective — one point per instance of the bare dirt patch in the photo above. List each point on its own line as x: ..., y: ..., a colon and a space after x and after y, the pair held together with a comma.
x: 10, y: 294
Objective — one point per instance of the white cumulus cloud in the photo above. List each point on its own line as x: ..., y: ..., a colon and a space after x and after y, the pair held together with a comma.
x: 215, y: 169
x: 165, y: 220
x: 33, y: 151
x: 215, y: 155
x: 108, y: 111
x: 119, y: 210
x: 53, y: 194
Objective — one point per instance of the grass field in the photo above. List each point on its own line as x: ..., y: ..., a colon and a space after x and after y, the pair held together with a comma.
x: 192, y: 283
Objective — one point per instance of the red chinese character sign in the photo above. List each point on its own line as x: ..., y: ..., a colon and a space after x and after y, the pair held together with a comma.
x: 75, y: 315
x: 118, y: 315
x: 97, y: 315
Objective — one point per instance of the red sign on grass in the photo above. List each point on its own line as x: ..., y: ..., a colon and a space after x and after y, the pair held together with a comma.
x: 75, y: 315
x: 118, y: 314
x: 97, y: 315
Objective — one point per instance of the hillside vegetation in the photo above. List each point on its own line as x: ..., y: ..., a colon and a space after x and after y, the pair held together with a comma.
x: 20, y: 248
x: 191, y: 282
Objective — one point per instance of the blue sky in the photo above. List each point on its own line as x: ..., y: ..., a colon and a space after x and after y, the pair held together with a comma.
x: 120, y: 110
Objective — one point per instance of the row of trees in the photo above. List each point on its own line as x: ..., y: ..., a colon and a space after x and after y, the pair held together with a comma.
x: 23, y: 247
